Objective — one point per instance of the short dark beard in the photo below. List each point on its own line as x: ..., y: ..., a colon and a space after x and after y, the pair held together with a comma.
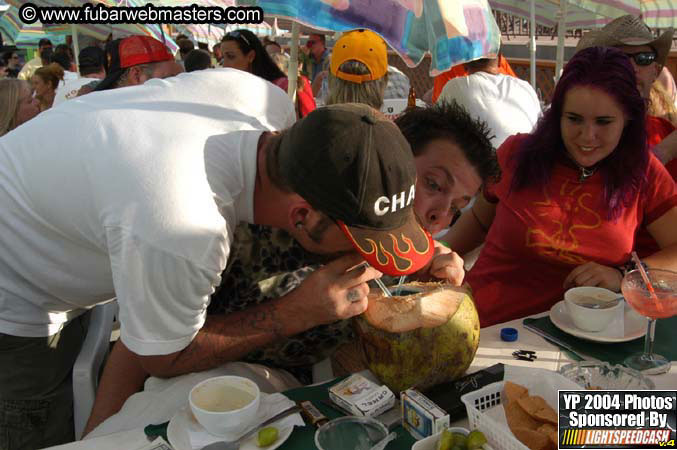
x: 315, y: 233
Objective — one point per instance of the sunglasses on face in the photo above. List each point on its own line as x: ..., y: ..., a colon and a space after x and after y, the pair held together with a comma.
x: 642, y: 58
x: 310, y: 43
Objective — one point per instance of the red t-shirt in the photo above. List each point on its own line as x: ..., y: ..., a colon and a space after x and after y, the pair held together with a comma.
x: 305, y: 99
x: 538, y: 237
x: 656, y: 130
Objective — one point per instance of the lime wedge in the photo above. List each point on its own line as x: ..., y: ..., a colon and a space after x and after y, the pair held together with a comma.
x: 446, y: 440
x: 476, y: 439
x: 267, y: 436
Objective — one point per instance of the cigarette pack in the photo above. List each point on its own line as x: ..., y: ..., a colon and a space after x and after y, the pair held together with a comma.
x: 448, y: 395
x: 361, y: 396
x: 420, y: 416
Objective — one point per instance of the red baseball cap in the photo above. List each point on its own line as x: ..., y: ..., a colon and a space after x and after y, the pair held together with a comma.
x: 124, y: 53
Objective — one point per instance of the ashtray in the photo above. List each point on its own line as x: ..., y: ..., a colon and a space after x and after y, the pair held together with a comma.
x: 350, y: 432
x: 602, y: 375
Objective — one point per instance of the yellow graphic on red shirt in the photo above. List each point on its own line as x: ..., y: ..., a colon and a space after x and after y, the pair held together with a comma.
x: 557, y: 237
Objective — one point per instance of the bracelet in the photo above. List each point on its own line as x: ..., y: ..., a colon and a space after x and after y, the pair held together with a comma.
x: 482, y: 226
x: 630, y: 266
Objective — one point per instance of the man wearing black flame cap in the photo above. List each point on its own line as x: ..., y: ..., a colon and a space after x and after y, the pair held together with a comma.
x: 358, y: 169
x: 339, y: 180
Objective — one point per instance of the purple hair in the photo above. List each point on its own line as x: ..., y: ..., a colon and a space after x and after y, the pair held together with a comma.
x: 624, y: 170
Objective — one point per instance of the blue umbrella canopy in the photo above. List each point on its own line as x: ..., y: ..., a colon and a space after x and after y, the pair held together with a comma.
x: 452, y: 31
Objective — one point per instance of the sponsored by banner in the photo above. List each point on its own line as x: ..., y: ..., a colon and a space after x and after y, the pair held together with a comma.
x: 617, y: 419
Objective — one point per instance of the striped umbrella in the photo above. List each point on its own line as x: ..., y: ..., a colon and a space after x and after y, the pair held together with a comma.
x: 259, y: 29
x: 101, y: 31
x: 452, y: 31
x: 21, y: 34
x: 655, y: 13
x: 211, y: 34
x: 548, y: 13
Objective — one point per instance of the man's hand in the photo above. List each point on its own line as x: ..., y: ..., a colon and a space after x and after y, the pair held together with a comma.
x: 445, y: 264
x: 336, y: 291
x: 593, y: 274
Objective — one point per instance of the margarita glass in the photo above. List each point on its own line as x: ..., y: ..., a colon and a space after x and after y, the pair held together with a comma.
x: 659, y: 304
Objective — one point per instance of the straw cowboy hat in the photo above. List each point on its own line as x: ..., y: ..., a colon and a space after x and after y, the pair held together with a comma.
x: 628, y: 30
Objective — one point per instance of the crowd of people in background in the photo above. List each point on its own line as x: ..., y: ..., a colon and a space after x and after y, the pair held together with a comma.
x: 236, y: 194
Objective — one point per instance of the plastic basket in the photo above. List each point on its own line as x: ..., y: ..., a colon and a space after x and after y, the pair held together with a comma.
x: 498, y: 435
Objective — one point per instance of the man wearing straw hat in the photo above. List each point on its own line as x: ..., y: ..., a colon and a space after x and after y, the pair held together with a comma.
x: 647, y: 55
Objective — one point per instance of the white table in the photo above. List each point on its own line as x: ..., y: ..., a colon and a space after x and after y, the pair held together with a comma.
x: 491, y: 351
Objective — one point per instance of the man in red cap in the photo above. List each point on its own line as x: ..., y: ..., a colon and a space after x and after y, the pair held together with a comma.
x: 136, y: 59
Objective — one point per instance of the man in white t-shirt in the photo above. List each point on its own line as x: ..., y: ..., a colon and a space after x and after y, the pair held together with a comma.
x: 141, y: 206
x: 91, y: 68
x: 117, y: 207
x: 508, y: 105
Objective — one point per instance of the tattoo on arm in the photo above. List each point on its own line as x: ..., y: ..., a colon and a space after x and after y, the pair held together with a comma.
x: 221, y: 341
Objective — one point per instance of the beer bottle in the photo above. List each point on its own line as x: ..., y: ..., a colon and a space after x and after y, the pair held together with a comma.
x: 411, y: 100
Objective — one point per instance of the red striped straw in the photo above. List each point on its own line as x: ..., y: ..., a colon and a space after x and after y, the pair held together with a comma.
x: 647, y: 281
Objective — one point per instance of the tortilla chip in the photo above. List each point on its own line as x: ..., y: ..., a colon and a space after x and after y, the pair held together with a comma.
x: 514, y: 391
x: 531, y: 420
x: 538, y: 408
x: 518, y: 417
x: 549, y: 430
x: 532, y: 439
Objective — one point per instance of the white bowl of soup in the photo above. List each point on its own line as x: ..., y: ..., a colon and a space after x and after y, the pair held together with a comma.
x: 225, y: 406
x: 593, y: 308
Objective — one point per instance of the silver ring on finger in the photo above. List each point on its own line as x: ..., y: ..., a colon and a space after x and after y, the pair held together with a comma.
x: 354, y: 295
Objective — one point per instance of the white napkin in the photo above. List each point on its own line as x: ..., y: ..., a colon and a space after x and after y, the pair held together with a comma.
x: 270, y: 405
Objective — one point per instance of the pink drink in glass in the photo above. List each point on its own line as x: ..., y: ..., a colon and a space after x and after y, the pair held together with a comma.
x: 662, y: 306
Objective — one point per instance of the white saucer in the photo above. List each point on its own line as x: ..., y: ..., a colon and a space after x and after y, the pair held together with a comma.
x: 635, y: 325
x: 184, y: 422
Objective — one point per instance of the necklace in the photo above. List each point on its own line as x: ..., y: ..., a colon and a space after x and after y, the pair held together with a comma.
x: 585, y: 172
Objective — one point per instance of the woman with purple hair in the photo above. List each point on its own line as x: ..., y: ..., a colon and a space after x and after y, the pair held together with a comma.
x: 571, y: 196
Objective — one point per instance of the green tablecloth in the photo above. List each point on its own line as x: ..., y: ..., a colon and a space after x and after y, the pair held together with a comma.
x: 665, y: 338
x: 303, y: 438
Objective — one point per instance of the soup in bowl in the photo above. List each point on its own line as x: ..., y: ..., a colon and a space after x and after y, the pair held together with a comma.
x: 592, y: 308
x: 225, y: 406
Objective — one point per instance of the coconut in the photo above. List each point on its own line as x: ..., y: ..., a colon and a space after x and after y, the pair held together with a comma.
x: 428, y: 335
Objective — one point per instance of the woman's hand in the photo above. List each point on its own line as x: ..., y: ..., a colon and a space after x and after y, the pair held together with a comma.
x: 593, y: 274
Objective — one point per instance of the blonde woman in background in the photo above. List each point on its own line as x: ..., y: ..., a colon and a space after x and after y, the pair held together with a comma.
x: 19, y: 106
x: 660, y: 103
x: 45, y: 81
x: 305, y: 102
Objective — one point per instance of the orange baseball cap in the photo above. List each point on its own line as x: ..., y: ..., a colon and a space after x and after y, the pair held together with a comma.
x: 364, y: 46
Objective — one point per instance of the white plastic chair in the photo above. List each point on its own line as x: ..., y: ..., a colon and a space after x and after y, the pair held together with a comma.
x: 94, y: 352
x: 87, y: 366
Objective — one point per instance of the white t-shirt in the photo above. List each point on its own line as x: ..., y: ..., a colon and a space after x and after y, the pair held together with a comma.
x: 107, y: 195
x: 508, y: 105
x: 68, y: 89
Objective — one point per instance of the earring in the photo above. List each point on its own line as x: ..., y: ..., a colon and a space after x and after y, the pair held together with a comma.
x: 299, y: 225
